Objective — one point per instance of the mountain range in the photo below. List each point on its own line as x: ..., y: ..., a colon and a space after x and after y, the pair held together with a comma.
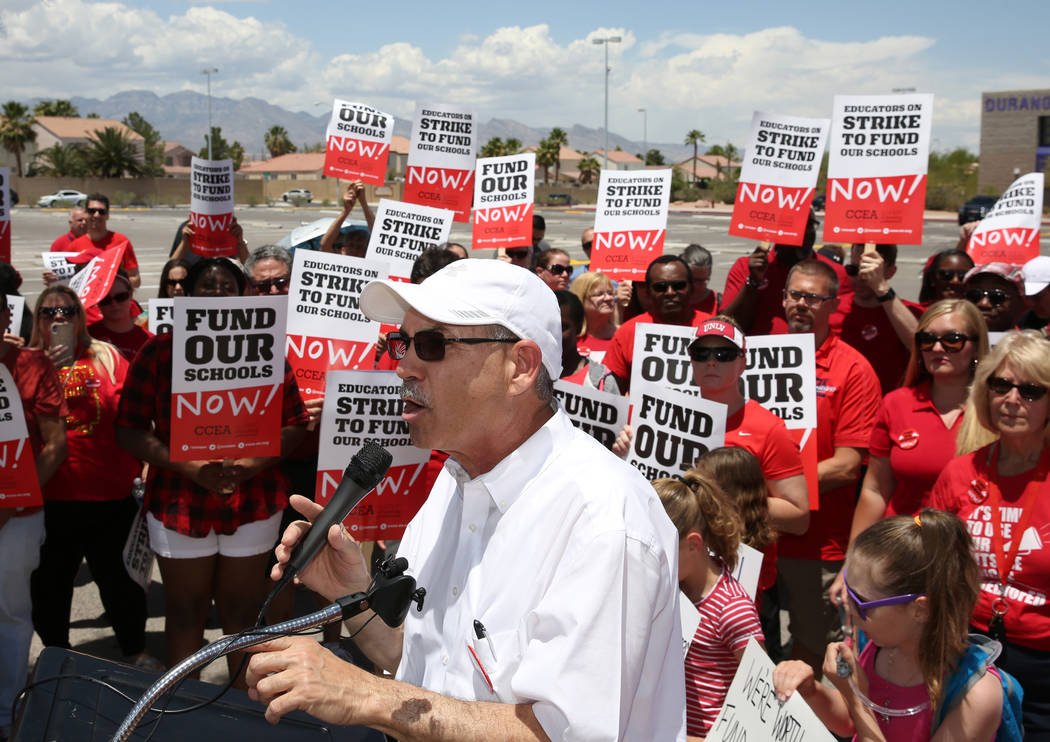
x: 183, y: 117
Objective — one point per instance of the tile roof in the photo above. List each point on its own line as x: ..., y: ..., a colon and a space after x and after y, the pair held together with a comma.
x: 73, y: 127
x: 295, y: 162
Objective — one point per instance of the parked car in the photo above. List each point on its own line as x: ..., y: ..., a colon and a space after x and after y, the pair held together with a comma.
x: 818, y: 202
x: 65, y: 197
x: 297, y: 195
x: 559, y: 199
x: 976, y: 209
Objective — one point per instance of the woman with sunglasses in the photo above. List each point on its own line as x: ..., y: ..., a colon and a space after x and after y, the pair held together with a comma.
x: 1001, y: 491
x: 173, y: 279
x: 600, y: 313
x: 912, y: 584
x: 917, y: 425
x: 942, y: 278
x: 117, y: 326
x: 554, y: 267
x: 88, y: 504
x: 211, y: 523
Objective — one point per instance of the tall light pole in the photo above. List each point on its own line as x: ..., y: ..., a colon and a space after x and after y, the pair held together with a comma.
x: 606, y: 40
x: 645, y: 133
x: 208, y: 73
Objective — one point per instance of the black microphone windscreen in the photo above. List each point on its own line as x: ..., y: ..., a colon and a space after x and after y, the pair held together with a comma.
x: 369, y: 465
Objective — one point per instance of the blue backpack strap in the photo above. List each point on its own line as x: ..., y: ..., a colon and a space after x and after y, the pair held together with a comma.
x: 979, y: 656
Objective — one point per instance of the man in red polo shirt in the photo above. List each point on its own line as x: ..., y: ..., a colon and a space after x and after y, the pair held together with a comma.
x: 77, y: 228
x: 848, y: 397
x: 99, y: 237
x: 755, y: 284
x: 668, y: 282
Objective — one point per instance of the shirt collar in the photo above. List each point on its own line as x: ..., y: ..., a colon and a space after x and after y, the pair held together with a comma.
x: 506, y: 481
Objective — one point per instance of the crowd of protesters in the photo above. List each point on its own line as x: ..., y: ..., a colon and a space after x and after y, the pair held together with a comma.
x: 931, y: 447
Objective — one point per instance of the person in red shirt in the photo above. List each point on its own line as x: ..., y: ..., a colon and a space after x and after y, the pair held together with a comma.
x: 848, y: 398
x: 668, y: 282
x: 1002, y: 492
x: 755, y: 283
x: 99, y: 236
x: 77, y: 227
x: 600, y: 314
x: 117, y: 326
x: 699, y: 261
x: 575, y: 367
x: 873, y: 319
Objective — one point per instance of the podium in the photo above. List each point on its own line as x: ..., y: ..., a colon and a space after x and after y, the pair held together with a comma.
x: 78, y: 710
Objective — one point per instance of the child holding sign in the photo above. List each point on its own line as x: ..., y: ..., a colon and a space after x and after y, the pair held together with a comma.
x: 912, y: 585
x: 709, y: 531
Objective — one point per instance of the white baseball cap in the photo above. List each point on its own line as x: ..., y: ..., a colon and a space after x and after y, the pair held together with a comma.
x: 1036, y: 274
x: 476, y: 291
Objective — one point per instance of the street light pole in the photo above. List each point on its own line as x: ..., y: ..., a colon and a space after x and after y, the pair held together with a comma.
x: 645, y: 132
x: 208, y: 73
x: 606, y: 40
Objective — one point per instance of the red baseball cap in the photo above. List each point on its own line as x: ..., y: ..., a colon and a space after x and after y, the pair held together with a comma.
x: 722, y: 329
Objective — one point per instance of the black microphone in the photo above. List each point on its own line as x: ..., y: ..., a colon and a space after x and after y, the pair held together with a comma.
x: 365, y: 470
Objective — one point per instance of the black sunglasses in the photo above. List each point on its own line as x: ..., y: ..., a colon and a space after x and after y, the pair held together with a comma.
x: 661, y: 287
x: 264, y: 287
x: 52, y: 312
x: 559, y: 269
x: 96, y: 210
x: 517, y: 254
x: 997, y: 297
x: 430, y: 344
x: 123, y: 296
x: 702, y: 353
x: 952, y: 342
x: 1029, y: 392
x: 172, y: 282
x: 587, y: 245
x: 947, y: 274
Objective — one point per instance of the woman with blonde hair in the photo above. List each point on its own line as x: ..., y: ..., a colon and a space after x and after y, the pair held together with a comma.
x: 601, y: 314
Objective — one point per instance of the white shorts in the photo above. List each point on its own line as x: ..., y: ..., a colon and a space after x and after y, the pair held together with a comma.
x: 248, y: 540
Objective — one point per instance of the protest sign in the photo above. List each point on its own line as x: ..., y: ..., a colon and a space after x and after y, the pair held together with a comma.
x: 211, y: 208
x: 326, y: 329
x: 17, y: 307
x: 599, y: 414
x: 5, y: 214
x: 95, y: 279
x: 58, y: 263
x: 503, y: 194
x: 358, y: 142
x: 227, y: 377
x: 752, y: 711
x: 672, y: 430
x: 1009, y: 233
x: 630, y: 221
x: 19, y: 486
x: 880, y: 146
x: 440, y: 168
x: 777, y: 179
x: 365, y: 406
x: 661, y: 356
x: 690, y: 621
x: 160, y: 315
x: 402, y: 231
x: 748, y: 568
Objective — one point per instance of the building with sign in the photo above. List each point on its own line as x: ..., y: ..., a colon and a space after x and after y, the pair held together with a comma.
x: 1015, y: 137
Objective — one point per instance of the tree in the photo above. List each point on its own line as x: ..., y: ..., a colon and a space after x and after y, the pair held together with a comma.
x: 589, y: 168
x: 547, y: 157
x: 153, y: 146
x: 59, y: 160
x: 236, y: 153
x: 222, y: 150
x: 493, y: 147
x: 512, y: 147
x: 558, y: 139
x: 654, y: 157
x: 732, y: 154
x: 278, y: 142
x: 16, y: 130
x: 694, y: 137
x: 111, y: 153
x: 55, y: 108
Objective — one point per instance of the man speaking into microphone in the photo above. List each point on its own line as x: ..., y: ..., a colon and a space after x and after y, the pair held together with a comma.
x: 550, y: 567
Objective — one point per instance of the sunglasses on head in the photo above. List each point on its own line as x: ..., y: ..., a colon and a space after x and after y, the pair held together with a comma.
x: 703, y: 353
x: 1029, y: 392
x: 95, y: 210
x: 662, y: 287
x: 559, y: 269
x: 996, y: 297
x: 118, y: 298
x: 947, y: 274
x: 430, y: 344
x: 863, y: 606
x: 264, y: 287
x: 952, y: 342
x: 52, y: 312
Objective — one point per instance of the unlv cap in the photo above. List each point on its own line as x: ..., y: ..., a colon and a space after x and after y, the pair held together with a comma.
x: 721, y: 329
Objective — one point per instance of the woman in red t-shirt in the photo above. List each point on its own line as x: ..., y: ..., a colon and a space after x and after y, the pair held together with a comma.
x: 600, y: 311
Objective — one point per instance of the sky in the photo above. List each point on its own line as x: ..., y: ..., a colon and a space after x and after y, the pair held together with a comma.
x: 690, y: 65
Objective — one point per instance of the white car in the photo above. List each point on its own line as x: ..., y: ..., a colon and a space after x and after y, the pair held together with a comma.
x: 66, y: 197
x: 300, y: 195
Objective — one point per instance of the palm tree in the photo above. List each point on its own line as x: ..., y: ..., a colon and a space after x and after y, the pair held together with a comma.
x: 55, y: 108
x: 512, y: 147
x: 589, y: 168
x: 112, y: 154
x: 694, y: 137
x: 278, y: 142
x: 492, y: 148
x: 16, y: 130
x: 559, y: 139
x: 731, y: 153
x: 547, y: 157
x: 59, y: 160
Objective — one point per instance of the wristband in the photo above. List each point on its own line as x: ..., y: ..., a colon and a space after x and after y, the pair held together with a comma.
x: 888, y: 296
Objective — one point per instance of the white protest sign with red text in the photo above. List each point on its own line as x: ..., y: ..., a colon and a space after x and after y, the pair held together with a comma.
x: 1010, y: 231
x: 358, y: 143
x: 402, y: 231
x: 878, y: 157
x: 326, y: 329
x: 19, y: 486
x: 503, y: 195
x: 211, y: 208
x: 5, y: 214
x: 227, y: 377
x: 630, y: 222
x: 365, y: 406
x: 777, y: 178
x: 95, y: 279
x: 440, y: 168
